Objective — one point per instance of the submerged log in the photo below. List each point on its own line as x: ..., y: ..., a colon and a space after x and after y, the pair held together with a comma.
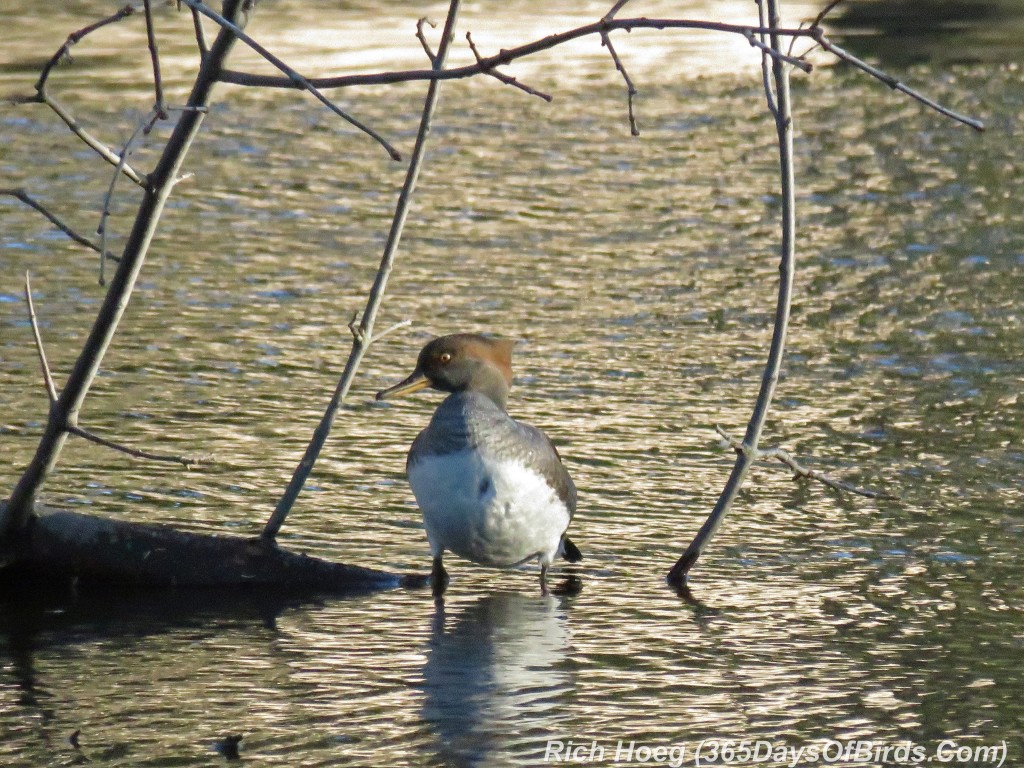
x: 61, y: 544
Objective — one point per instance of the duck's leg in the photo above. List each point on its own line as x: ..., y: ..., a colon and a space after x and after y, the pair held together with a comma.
x: 438, y: 577
x: 544, y: 579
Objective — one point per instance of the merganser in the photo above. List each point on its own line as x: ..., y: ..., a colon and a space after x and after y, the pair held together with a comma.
x: 491, y: 489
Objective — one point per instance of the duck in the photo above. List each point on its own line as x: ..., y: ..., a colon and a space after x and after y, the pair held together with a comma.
x: 491, y: 489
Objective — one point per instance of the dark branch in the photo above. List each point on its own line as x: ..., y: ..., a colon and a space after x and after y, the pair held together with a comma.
x: 294, y: 77
x: 24, y: 197
x: 75, y: 37
x: 780, y: 104
x: 362, y: 334
x: 631, y: 91
x: 51, y: 389
x: 824, y: 12
x: 819, y: 36
x: 422, y: 37
x: 799, y: 470
x: 74, y: 429
x: 506, y: 79
x: 99, y: 147
x: 102, y: 229
x: 186, y: 461
x: 154, y: 54
x: 197, y: 23
x: 505, y: 56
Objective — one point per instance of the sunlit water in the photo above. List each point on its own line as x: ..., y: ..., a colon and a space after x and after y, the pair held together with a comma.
x: 638, y: 278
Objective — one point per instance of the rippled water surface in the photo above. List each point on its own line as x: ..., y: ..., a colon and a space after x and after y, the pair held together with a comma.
x: 638, y: 278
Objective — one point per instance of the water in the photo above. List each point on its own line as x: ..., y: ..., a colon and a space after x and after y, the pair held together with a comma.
x: 638, y: 279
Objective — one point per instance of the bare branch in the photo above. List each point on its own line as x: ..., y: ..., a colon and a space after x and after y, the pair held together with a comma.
x: 766, y: 65
x: 824, y: 12
x: 615, y: 9
x: 421, y: 36
x: 51, y: 389
x: 766, y: 50
x: 99, y: 147
x: 506, y: 79
x: 485, y: 65
x: 74, y: 429
x: 799, y: 470
x: 293, y: 76
x: 158, y: 107
x: 75, y: 37
x: 24, y: 197
x: 197, y: 22
x: 63, y: 414
x: 505, y: 56
x: 43, y: 97
x: 631, y: 91
x: 102, y: 229
x: 359, y: 332
x: 819, y: 35
x: 787, y: 266
x: 186, y: 461
x: 362, y: 335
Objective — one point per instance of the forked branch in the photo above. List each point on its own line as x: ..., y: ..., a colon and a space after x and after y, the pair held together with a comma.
x: 799, y: 470
x: 72, y: 427
x: 43, y: 96
x: 56, y: 221
x: 64, y: 412
x: 502, y: 77
x: 631, y: 91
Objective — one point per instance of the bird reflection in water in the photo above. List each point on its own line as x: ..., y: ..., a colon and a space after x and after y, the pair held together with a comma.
x: 495, y: 681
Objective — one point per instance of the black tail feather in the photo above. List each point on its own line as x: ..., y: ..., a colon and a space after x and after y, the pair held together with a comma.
x: 570, y: 551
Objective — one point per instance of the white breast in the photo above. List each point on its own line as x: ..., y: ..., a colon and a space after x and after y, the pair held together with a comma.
x: 494, y: 512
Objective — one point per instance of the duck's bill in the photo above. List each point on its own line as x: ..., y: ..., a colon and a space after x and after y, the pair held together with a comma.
x: 414, y: 383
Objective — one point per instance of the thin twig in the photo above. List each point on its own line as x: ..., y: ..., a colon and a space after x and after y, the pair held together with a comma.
x: 154, y: 54
x: 768, y: 53
x: 197, y: 23
x: 74, y: 429
x: 75, y: 37
x: 51, y: 389
x: 506, y: 79
x: 99, y: 147
x: 799, y: 470
x: 766, y: 67
x: 362, y: 335
x: 824, y: 12
x: 31, y: 203
x: 359, y: 332
x: 422, y: 37
x: 108, y: 198
x: 819, y: 35
x: 505, y: 56
x: 631, y: 91
x: 43, y: 97
x: 186, y: 461
x: 294, y: 76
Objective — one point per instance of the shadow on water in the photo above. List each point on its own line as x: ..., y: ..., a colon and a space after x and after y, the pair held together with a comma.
x: 39, y: 617
x: 489, y: 665
x: 901, y: 34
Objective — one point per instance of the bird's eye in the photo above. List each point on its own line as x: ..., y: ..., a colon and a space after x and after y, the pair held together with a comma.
x: 445, y: 357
